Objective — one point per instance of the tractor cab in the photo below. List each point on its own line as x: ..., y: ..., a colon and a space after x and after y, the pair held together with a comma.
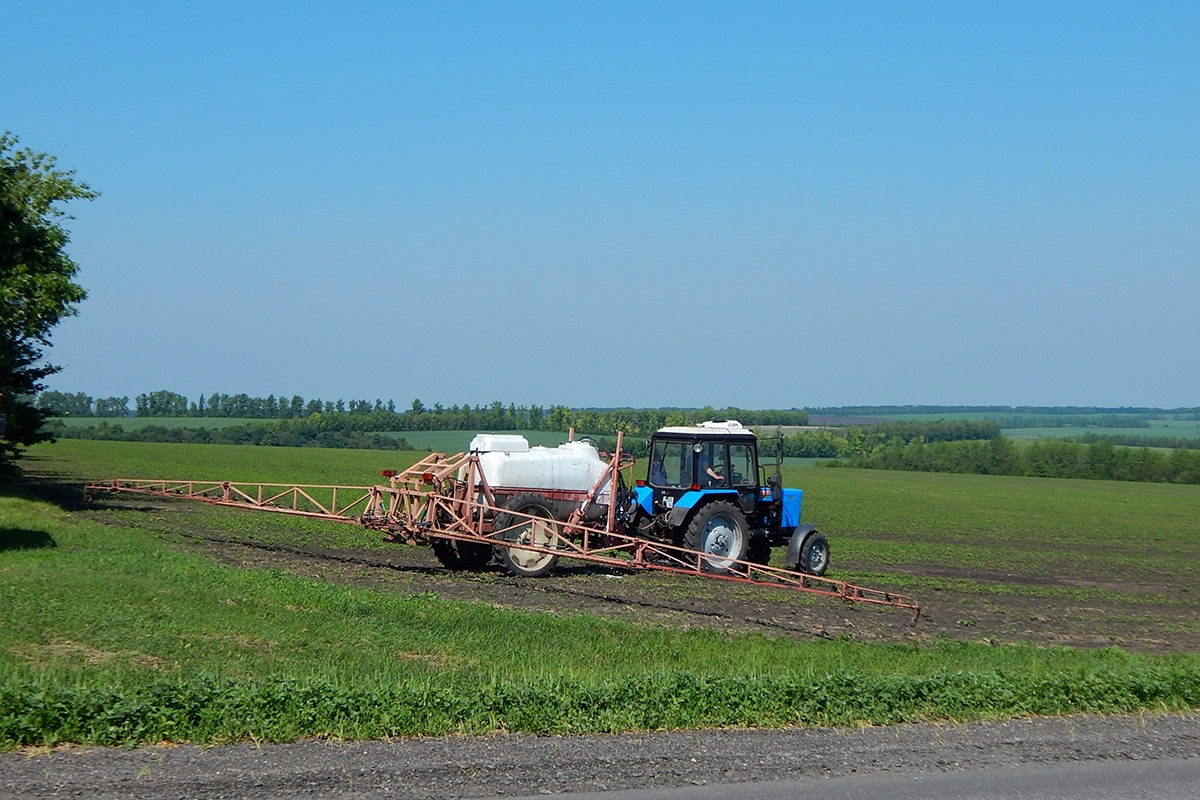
x: 718, y: 457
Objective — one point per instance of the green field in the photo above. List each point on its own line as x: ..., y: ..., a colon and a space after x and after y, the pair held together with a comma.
x: 115, y: 627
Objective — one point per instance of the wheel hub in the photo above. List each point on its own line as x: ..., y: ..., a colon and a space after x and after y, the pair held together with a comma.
x: 718, y: 538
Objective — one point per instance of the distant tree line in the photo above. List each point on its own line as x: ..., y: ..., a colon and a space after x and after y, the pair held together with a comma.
x: 1049, y: 458
x: 965, y: 446
x: 384, y: 416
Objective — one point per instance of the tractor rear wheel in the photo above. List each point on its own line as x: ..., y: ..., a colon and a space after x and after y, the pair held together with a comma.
x: 719, y: 530
x: 541, y: 531
x: 760, y: 551
x: 461, y: 555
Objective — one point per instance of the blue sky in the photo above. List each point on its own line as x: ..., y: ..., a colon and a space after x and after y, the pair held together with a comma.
x: 643, y: 204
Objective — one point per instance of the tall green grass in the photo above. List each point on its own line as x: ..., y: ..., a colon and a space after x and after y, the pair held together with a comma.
x: 97, y: 709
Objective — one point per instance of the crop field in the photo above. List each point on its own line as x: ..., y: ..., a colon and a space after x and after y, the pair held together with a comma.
x: 127, y: 619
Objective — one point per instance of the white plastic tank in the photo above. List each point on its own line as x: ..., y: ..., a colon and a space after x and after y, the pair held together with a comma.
x: 499, y: 443
x: 508, y: 461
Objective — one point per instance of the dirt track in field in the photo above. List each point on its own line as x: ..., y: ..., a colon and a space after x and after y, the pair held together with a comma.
x: 1142, y: 613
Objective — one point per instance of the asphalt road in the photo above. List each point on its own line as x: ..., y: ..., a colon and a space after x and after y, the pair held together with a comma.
x: 1132, y: 756
x: 1166, y: 779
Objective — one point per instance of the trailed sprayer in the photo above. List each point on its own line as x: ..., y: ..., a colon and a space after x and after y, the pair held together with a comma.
x: 705, y: 506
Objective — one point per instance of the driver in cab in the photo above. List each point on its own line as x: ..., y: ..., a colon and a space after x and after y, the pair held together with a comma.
x: 709, y: 473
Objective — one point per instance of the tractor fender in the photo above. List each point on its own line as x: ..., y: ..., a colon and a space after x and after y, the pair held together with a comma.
x: 797, y: 542
x: 692, y: 500
x: 676, y: 517
x: 644, y: 499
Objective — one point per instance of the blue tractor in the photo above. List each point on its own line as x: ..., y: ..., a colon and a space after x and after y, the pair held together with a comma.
x: 706, y: 491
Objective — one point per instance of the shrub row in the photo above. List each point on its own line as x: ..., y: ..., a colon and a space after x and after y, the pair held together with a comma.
x: 858, y: 440
x: 1170, y: 442
x: 37, y: 709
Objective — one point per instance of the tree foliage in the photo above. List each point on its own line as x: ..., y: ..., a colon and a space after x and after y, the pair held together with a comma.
x: 37, y: 287
x: 64, y: 404
x: 860, y: 440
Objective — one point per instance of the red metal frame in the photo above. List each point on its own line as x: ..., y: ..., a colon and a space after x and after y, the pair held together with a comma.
x: 258, y: 496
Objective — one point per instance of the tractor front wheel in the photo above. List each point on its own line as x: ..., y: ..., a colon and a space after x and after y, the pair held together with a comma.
x: 814, y: 555
x: 719, y: 531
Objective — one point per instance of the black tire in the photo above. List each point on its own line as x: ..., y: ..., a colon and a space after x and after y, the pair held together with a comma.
x: 518, y: 561
x: 719, y: 529
x: 760, y: 551
x: 814, y: 555
x: 462, y: 555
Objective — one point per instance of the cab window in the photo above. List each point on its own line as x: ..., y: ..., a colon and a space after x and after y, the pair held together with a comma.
x: 741, y: 465
x: 671, y: 464
x: 712, y: 464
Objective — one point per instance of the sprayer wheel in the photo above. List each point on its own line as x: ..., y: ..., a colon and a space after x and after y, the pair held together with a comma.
x: 461, y: 555
x: 541, y: 531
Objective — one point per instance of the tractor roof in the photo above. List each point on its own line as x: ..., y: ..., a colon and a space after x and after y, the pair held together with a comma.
x: 708, y: 430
